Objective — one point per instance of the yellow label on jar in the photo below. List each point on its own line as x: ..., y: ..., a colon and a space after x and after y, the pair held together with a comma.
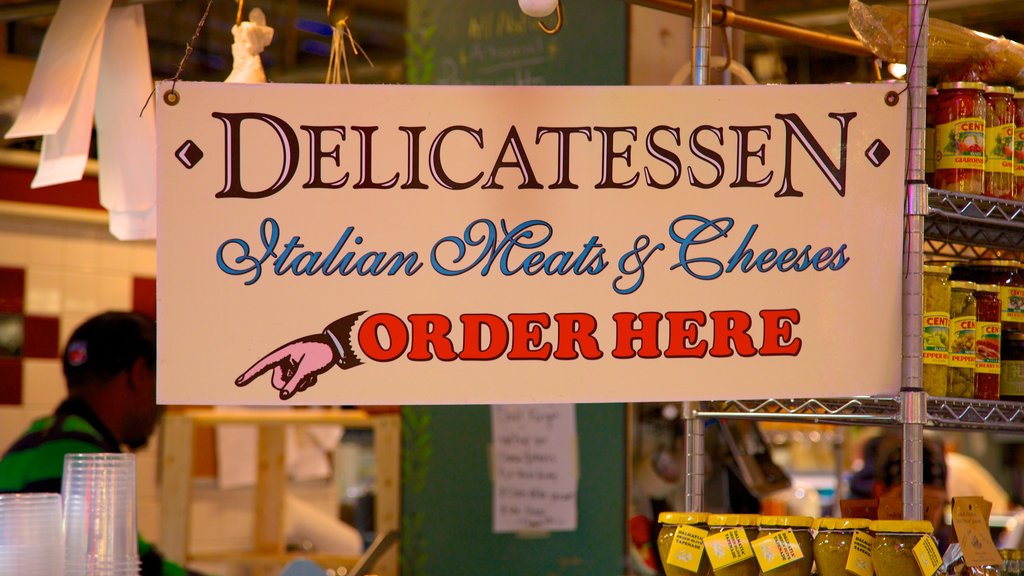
x: 1011, y: 381
x: 777, y: 549
x: 687, y: 548
x: 727, y: 548
x: 935, y: 338
x: 960, y: 144
x: 999, y: 148
x: 987, y: 345
x: 927, y: 555
x: 1018, y: 153
x: 961, y: 342
x: 1012, y: 300
x: 859, y: 560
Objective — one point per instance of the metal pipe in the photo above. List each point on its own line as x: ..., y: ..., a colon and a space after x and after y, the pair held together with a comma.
x: 725, y: 16
x: 701, y: 54
x: 693, y: 483
x: 914, y: 400
x: 837, y: 467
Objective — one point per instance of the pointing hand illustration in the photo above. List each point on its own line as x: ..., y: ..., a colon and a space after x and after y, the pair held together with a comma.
x: 295, y: 366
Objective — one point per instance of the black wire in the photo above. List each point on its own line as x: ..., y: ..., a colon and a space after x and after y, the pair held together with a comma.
x: 184, y: 59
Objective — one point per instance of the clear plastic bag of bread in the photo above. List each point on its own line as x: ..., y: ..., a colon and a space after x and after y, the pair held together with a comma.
x: 955, y: 53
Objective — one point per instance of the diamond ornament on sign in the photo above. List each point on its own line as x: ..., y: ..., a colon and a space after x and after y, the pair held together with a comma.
x: 189, y: 154
x: 877, y: 153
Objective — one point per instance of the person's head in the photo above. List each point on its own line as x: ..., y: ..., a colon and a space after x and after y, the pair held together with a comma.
x: 110, y: 362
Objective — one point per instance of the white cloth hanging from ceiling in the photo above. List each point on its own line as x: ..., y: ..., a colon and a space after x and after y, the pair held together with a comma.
x: 95, y: 61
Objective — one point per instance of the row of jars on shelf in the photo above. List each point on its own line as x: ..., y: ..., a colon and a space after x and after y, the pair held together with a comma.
x: 689, y: 544
x: 975, y: 140
x: 973, y: 329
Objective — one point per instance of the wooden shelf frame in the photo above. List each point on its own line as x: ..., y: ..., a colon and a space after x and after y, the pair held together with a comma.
x: 269, y: 551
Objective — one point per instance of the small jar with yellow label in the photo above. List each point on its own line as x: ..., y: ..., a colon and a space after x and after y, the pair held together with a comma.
x: 892, y: 553
x: 963, y: 315
x: 800, y: 526
x: 960, y: 137
x: 718, y: 523
x: 1012, y: 366
x: 999, y: 129
x: 672, y: 522
x: 834, y: 542
x: 935, y: 330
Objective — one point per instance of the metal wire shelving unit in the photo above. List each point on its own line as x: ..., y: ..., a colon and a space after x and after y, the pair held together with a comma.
x: 937, y: 223
x: 967, y: 226
x: 944, y: 413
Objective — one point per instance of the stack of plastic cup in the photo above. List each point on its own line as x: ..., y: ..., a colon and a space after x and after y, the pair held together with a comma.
x: 100, y: 523
x: 31, y: 537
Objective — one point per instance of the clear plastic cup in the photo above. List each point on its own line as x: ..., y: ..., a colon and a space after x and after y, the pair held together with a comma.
x: 100, y: 522
x: 31, y: 535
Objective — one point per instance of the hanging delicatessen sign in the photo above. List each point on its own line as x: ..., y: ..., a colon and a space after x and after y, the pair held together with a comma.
x: 440, y: 244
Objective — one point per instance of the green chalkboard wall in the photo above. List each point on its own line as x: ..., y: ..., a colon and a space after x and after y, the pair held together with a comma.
x: 446, y: 490
x: 493, y: 42
x: 447, y: 499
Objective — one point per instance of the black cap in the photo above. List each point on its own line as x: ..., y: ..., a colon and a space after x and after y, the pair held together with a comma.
x: 108, y: 344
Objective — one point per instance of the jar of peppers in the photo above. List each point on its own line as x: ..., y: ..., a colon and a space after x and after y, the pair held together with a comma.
x: 988, y: 341
x: 1018, y: 148
x: 1008, y: 275
x: 963, y: 316
x: 1012, y: 383
x: 999, y: 129
x: 960, y: 137
x: 935, y: 331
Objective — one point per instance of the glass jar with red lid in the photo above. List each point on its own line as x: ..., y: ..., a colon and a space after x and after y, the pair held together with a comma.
x: 999, y: 129
x: 1012, y: 384
x: 987, y: 345
x: 1018, y: 148
x: 960, y: 137
x: 931, y: 103
x: 1006, y: 274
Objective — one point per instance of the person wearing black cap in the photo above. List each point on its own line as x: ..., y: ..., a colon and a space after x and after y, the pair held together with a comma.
x: 110, y: 370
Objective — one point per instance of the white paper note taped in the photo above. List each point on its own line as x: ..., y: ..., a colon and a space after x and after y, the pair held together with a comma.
x: 535, y: 472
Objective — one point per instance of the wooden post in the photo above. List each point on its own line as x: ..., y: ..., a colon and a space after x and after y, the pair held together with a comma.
x: 387, y: 447
x: 176, y: 491
x: 271, y: 485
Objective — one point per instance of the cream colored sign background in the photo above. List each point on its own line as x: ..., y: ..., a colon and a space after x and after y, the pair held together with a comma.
x: 213, y: 326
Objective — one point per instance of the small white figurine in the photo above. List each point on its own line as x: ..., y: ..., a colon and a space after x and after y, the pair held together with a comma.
x: 250, y: 39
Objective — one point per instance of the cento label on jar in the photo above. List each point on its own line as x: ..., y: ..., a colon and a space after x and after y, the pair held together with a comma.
x: 1018, y: 153
x: 936, y: 338
x: 1012, y: 299
x: 960, y: 144
x: 999, y: 148
x: 988, y: 343
x: 961, y: 337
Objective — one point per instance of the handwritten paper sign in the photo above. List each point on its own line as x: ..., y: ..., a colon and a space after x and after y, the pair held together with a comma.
x: 535, y: 472
x: 495, y: 245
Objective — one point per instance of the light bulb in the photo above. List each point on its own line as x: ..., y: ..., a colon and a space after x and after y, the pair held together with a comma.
x: 537, y: 8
